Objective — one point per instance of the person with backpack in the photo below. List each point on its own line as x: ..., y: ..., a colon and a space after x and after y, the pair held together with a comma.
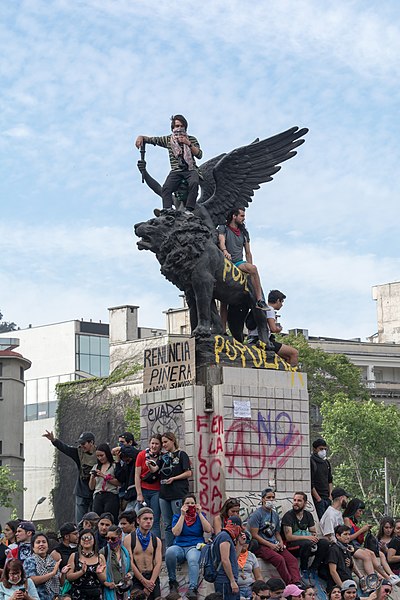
x: 188, y: 528
x: 145, y: 555
x: 225, y: 559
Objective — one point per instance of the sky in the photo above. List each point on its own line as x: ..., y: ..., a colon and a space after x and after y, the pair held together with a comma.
x: 79, y: 80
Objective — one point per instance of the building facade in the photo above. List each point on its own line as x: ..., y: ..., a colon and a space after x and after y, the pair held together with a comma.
x: 12, y: 383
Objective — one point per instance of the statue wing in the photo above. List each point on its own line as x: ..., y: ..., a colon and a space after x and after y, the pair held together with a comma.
x: 207, y: 181
x: 240, y: 172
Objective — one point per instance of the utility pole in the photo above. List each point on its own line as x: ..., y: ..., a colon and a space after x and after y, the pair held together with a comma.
x: 387, y: 497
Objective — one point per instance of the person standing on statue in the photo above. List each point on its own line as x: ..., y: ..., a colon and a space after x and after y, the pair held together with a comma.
x: 182, y: 148
x: 321, y: 477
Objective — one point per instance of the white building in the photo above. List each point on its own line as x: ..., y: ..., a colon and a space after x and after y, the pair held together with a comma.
x: 58, y: 352
x: 12, y: 376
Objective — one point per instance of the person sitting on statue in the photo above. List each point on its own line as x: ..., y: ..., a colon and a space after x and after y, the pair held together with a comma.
x: 275, y: 302
x: 182, y: 148
x: 265, y: 527
x: 233, y: 239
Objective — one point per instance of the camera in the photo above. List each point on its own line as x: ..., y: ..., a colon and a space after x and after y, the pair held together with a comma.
x: 268, y: 530
x: 152, y: 463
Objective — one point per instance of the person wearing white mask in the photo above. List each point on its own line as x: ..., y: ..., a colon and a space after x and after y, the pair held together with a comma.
x: 321, y: 477
x: 265, y: 527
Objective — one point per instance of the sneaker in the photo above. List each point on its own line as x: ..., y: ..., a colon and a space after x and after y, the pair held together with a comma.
x: 189, y: 213
x: 191, y: 594
x: 394, y: 579
x: 262, y: 305
x: 173, y: 585
x: 252, y: 339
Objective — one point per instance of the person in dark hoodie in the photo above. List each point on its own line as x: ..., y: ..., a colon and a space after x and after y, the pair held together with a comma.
x: 321, y: 477
x: 85, y: 459
x: 125, y: 461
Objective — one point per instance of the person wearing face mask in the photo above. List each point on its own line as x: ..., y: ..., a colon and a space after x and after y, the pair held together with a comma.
x: 265, y: 526
x: 182, y: 149
x: 321, y: 477
x: 118, y: 564
x: 333, y: 517
x: 69, y: 540
x: 226, y: 557
x: 188, y: 529
x: 14, y: 584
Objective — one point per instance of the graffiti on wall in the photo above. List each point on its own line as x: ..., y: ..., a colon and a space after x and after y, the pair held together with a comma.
x: 167, y: 416
x: 209, y: 455
x: 247, y: 449
x: 252, y: 447
x: 232, y: 352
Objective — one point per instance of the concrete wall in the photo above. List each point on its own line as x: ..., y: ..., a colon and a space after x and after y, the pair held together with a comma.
x: 235, y: 456
x: 12, y: 421
x: 387, y: 298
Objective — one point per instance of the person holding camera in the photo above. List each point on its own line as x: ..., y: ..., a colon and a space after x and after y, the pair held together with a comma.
x: 265, y: 526
x: 104, y: 483
x: 147, y: 482
x: 182, y: 148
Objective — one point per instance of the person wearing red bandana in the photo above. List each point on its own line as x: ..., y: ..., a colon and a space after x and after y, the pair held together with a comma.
x: 226, y: 557
x: 233, y: 239
x: 188, y: 528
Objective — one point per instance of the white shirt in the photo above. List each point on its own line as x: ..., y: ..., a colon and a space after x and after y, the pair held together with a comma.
x: 330, y: 519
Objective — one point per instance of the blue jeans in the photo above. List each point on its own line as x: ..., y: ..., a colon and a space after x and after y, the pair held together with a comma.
x: 178, y: 554
x: 321, y: 506
x: 168, y: 509
x: 152, y: 499
x: 226, y: 590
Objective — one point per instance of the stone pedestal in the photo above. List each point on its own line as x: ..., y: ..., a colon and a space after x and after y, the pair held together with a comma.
x: 244, y: 429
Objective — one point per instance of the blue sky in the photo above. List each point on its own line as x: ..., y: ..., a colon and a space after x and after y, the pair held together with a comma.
x: 79, y: 80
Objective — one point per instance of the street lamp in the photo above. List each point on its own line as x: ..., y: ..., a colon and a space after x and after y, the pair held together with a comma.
x: 39, y: 501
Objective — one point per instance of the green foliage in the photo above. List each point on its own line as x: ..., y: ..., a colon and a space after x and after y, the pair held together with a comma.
x: 327, y: 374
x: 8, y: 487
x: 132, y: 417
x: 360, y: 435
x: 6, y: 325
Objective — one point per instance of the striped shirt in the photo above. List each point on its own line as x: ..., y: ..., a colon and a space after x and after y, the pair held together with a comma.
x: 164, y: 142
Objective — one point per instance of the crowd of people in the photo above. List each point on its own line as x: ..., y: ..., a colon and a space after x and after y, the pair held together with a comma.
x: 140, y: 513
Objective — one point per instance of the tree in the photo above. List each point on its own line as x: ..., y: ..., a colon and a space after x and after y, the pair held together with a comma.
x: 360, y: 435
x: 132, y: 417
x: 8, y: 487
x: 6, y: 325
x: 327, y: 373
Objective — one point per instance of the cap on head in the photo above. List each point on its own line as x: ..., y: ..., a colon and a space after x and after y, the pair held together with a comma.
x: 27, y: 526
x: 235, y: 520
x: 67, y: 528
x: 144, y: 510
x: 248, y: 536
x: 128, y: 451
x: 348, y: 584
x: 318, y: 443
x: 267, y: 490
x: 386, y: 582
x: 86, y: 436
x: 90, y: 516
x: 292, y: 590
x: 339, y: 491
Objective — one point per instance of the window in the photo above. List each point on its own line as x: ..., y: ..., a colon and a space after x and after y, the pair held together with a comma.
x: 21, y: 450
x: 1, y: 369
x: 1, y: 390
x: 31, y: 412
x: 1, y: 447
x: 21, y: 373
x: 92, y: 355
